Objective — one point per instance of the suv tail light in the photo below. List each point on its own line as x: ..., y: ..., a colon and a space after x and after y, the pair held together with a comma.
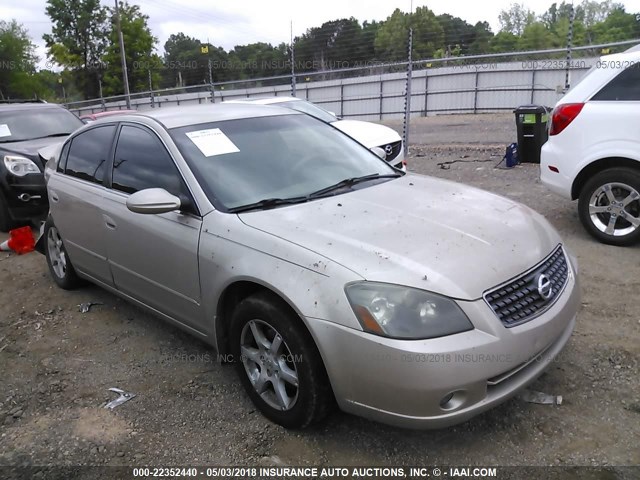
x: 563, y: 115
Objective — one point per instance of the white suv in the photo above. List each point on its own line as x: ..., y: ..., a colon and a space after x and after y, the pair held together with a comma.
x: 593, y: 151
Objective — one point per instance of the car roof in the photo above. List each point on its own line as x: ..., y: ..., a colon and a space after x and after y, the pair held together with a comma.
x: 106, y: 113
x: 264, y: 100
x: 635, y: 48
x: 631, y: 55
x: 27, y: 106
x: 607, y: 67
x: 185, y: 115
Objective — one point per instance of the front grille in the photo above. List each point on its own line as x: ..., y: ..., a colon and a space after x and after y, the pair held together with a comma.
x: 392, y: 150
x: 529, y: 295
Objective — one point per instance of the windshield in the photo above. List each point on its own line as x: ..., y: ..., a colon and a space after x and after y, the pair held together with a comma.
x: 19, y: 125
x: 239, y: 162
x: 309, y: 109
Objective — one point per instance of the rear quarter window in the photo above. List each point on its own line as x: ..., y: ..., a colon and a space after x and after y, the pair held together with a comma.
x: 623, y: 88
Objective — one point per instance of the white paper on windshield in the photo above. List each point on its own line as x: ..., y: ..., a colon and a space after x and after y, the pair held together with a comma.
x: 4, y: 130
x: 212, y: 142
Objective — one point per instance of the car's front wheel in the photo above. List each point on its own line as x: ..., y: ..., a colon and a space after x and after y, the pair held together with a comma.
x: 278, y: 362
x: 58, y: 261
x: 609, y: 206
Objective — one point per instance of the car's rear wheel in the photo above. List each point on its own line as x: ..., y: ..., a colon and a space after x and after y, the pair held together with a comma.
x: 609, y: 206
x: 278, y: 362
x: 58, y: 261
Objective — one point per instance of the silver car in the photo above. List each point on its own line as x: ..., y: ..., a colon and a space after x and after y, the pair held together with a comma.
x: 269, y: 234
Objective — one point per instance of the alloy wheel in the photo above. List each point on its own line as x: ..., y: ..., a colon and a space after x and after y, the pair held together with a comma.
x: 614, y: 209
x: 56, y: 252
x: 269, y: 364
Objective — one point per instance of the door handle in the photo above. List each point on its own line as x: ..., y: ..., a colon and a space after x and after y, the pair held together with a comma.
x: 54, y: 196
x: 108, y: 221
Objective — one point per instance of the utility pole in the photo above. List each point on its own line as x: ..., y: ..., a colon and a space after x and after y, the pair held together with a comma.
x: 151, y: 89
x: 125, y: 76
x: 293, y: 65
x: 64, y: 93
x: 407, y: 100
x: 567, y: 83
x: 100, y: 91
x: 205, y: 51
x: 211, y: 81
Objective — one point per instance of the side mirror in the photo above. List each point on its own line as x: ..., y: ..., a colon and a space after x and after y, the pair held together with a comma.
x: 152, y: 201
x: 379, y: 152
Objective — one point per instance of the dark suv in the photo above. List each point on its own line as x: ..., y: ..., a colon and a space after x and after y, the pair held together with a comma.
x: 25, y: 128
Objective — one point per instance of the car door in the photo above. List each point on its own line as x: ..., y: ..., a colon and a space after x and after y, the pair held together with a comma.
x: 75, y: 193
x: 153, y: 258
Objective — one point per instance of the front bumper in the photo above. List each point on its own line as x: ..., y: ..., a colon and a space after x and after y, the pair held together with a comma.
x: 26, y: 196
x: 398, y: 161
x: 404, y: 383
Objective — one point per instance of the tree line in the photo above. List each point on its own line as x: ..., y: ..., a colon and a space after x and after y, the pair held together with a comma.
x: 83, y: 55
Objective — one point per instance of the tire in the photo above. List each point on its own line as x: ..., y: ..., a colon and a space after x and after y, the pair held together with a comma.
x: 6, y: 223
x: 58, y: 261
x: 295, y: 369
x: 609, y: 206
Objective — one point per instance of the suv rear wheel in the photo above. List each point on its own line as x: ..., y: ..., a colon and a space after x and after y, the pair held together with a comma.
x: 609, y: 206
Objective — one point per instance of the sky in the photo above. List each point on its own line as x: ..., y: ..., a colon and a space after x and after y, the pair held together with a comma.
x: 240, y: 22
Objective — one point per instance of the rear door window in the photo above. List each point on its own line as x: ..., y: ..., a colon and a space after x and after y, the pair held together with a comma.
x: 623, y: 88
x: 88, y: 154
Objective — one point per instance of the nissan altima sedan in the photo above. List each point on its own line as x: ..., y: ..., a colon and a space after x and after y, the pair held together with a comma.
x: 270, y: 235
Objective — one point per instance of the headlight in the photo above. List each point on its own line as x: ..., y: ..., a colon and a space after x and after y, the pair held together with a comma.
x: 20, y: 166
x: 402, y: 312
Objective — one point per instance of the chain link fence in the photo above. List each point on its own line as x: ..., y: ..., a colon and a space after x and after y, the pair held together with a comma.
x: 378, y: 91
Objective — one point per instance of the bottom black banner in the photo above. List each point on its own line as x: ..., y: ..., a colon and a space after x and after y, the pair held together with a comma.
x: 321, y: 472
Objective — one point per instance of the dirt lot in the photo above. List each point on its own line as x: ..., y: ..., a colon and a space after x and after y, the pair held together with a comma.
x: 57, y: 364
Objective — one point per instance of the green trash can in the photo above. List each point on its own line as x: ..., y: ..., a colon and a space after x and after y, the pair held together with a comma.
x: 531, y: 124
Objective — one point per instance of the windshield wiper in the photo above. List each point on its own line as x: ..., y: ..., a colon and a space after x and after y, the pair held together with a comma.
x: 267, y: 203
x: 348, y: 182
x: 274, y: 202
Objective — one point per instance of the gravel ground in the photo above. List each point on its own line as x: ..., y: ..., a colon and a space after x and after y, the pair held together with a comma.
x: 57, y: 364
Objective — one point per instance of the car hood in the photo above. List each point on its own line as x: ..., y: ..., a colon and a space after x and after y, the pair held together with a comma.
x: 418, y: 231
x: 367, y: 133
x: 30, y: 147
